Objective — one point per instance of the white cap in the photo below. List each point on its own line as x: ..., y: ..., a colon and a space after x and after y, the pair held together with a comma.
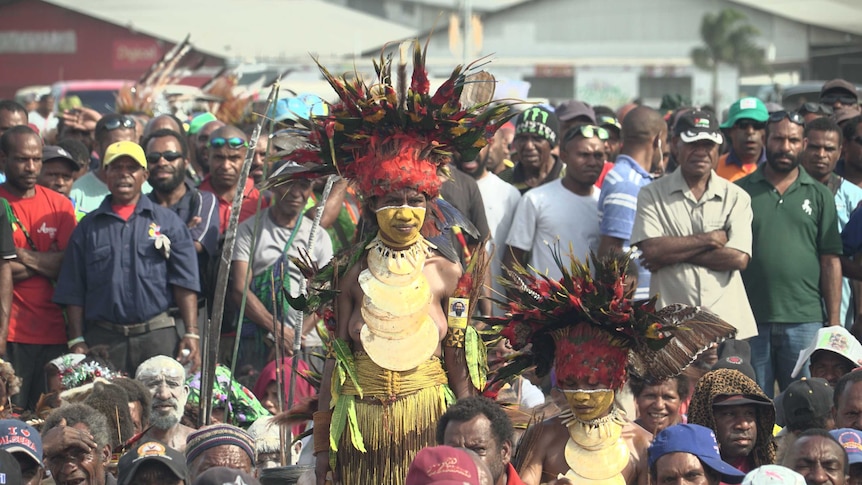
x: 773, y: 475
x: 835, y: 339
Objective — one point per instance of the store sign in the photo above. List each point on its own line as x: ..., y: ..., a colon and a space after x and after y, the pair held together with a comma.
x: 38, y: 42
x: 136, y: 54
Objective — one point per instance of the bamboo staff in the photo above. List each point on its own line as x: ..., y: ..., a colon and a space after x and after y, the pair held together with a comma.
x: 211, y: 341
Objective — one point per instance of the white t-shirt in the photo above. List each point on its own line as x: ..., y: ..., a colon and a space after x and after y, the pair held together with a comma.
x: 501, y: 200
x: 551, y: 214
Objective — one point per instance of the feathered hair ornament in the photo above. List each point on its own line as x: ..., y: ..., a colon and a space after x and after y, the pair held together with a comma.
x: 393, y: 133
x: 585, y: 326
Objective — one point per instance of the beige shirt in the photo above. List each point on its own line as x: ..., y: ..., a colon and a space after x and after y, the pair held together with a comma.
x: 667, y: 208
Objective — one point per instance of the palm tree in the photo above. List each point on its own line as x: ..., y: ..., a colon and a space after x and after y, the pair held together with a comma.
x: 728, y: 39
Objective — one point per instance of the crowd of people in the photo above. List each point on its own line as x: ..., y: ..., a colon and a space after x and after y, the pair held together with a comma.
x: 740, y: 367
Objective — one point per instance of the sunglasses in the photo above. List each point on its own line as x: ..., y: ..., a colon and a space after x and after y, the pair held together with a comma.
x: 746, y: 124
x: 815, y: 108
x: 154, y: 157
x: 609, y: 121
x: 587, y: 131
x: 120, y: 122
x: 840, y: 98
x: 793, y: 116
x: 234, y: 142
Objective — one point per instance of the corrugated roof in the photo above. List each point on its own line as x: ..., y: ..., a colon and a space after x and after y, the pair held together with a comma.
x: 250, y: 29
x: 840, y: 15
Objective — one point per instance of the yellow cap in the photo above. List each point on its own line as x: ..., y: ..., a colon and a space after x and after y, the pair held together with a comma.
x: 125, y: 149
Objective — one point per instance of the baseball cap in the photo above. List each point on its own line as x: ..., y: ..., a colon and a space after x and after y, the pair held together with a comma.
x: 696, y: 440
x: 735, y: 354
x: 806, y: 399
x: 835, y: 339
x: 773, y: 475
x: 10, y: 470
x: 539, y: 121
x: 571, y: 109
x: 19, y: 437
x: 224, y: 476
x: 199, y: 121
x: 125, y: 149
x: 698, y: 125
x: 607, y: 121
x: 839, y: 85
x: 851, y: 440
x: 746, y: 108
x: 442, y: 465
x: 149, y: 452
x: 53, y: 152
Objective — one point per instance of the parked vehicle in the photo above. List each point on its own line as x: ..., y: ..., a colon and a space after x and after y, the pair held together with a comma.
x: 100, y: 95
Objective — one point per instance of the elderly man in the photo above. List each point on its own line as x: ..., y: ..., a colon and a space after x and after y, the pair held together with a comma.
x: 77, y: 446
x: 23, y: 442
x: 152, y: 463
x: 284, y: 233
x: 128, y: 263
x: 740, y: 414
x: 219, y: 445
x: 480, y: 424
x: 818, y: 457
x: 851, y: 440
x: 694, y: 229
x: 687, y: 454
x: 165, y: 378
x: 227, y: 151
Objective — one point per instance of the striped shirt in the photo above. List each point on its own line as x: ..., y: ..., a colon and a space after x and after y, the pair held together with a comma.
x: 618, y: 205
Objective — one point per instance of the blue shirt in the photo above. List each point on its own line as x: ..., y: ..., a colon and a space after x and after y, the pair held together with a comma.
x: 113, y: 269
x: 618, y: 204
x: 847, y: 198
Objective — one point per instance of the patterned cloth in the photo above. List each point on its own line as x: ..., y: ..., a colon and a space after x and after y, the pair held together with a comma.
x: 244, y: 408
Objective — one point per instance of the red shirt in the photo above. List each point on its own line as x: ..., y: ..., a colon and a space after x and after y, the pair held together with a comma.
x: 605, y: 169
x: 249, y: 202
x: 512, y: 477
x: 49, y: 219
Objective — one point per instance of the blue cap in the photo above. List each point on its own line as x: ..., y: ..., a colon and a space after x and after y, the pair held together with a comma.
x: 698, y: 441
x: 19, y: 437
x: 851, y: 440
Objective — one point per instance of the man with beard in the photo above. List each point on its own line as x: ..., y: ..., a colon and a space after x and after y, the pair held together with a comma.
x: 564, y: 210
x: 644, y: 131
x: 167, y: 160
x: 745, y: 126
x: 227, y: 149
x: 795, y: 266
x: 165, y: 378
x: 42, y: 222
x: 200, y: 130
x: 535, y: 136
x: 740, y: 415
x: 821, y: 150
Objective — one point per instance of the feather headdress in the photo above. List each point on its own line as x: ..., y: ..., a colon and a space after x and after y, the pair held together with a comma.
x: 393, y: 133
x: 584, y: 325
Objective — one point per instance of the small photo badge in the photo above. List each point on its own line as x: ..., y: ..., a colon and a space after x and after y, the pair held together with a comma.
x: 459, y: 312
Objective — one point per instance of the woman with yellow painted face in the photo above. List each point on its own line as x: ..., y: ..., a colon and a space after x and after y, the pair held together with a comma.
x: 589, y: 333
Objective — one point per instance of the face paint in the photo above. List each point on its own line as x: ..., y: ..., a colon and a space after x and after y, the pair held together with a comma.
x: 399, y: 226
x: 588, y: 405
x: 165, y: 379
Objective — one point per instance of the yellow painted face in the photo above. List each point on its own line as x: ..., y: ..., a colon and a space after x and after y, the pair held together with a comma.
x: 588, y: 405
x: 399, y: 226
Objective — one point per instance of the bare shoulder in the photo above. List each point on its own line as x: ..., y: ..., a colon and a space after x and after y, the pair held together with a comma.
x: 447, y: 269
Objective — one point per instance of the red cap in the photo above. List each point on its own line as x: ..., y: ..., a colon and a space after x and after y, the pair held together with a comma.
x: 443, y: 465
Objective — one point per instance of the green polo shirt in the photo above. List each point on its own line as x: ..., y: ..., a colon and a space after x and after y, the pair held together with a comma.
x: 789, y: 232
